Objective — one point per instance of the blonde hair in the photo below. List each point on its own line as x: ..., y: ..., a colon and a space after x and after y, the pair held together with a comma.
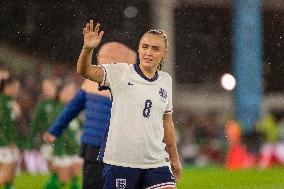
x: 161, y: 33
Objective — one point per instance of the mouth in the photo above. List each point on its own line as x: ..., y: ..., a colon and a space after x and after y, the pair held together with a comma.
x: 148, y: 60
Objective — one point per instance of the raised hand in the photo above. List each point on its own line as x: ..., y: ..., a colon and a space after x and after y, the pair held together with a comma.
x: 92, y: 37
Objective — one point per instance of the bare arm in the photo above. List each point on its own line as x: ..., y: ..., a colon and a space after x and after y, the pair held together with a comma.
x: 92, y: 38
x: 171, y: 148
x: 86, y: 69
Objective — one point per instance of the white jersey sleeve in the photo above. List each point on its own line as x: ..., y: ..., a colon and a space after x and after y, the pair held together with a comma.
x: 169, y: 107
x: 113, y: 73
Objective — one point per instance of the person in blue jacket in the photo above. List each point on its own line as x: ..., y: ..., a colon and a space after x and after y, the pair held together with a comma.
x: 97, y: 107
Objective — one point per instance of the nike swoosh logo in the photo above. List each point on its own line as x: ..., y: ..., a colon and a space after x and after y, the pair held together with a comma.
x: 130, y: 83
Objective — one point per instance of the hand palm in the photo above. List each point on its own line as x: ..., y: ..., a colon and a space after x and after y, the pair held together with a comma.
x: 91, y: 40
x: 92, y: 36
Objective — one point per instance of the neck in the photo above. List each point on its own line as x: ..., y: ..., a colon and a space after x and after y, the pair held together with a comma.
x: 148, y: 72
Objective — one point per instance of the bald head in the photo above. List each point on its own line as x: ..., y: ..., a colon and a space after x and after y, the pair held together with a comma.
x: 116, y: 52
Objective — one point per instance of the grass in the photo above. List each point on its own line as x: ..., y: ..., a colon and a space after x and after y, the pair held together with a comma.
x: 27, y: 181
x: 219, y: 178
x: 197, y: 178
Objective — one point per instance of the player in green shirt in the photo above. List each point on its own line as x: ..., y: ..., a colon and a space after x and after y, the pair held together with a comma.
x: 66, y: 162
x: 9, y: 111
x: 37, y: 156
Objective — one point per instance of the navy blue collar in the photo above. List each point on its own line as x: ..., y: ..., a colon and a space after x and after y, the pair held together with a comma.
x: 139, y: 71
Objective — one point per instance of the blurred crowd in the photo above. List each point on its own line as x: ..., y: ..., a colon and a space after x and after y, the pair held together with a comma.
x: 30, y: 102
x: 208, y: 139
x: 31, y: 87
x: 203, y: 139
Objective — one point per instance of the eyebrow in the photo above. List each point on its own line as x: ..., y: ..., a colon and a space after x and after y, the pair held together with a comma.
x: 155, y: 46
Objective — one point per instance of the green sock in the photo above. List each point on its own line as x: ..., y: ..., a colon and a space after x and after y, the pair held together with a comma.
x: 52, y: 182
x: 8, y: 186
x: 62, y: 184
x: 75, y: 183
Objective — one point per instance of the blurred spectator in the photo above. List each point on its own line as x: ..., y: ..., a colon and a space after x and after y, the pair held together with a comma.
x: 202, y: 140
x: 65, y: 161
x: 44, y: 114
x: 269, y: 152
x: 9, y: 112
x: 237, y: 156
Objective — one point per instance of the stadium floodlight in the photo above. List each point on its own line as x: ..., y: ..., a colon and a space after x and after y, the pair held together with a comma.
x: 228, y: 82
x: 130, y: 12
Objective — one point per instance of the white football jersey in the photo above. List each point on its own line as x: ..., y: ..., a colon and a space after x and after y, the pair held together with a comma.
x: 136, y: 132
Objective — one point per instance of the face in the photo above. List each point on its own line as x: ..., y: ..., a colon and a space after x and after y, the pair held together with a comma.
x: 48, y: 89
x: 67, y: 93
x: 152, y: 49
x: 12, y: 89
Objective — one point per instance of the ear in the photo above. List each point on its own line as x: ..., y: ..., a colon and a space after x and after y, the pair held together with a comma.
x: 165, y: 54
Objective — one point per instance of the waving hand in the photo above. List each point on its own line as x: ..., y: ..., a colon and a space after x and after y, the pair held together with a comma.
x: 92, y: 36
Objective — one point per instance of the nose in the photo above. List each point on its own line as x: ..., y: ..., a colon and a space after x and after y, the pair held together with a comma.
x: 148, y: 51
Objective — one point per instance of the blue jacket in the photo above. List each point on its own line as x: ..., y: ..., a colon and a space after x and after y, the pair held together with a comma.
x: 97, y: 116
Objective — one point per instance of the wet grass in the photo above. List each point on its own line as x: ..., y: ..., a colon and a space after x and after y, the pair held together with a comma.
x: 220, y: 178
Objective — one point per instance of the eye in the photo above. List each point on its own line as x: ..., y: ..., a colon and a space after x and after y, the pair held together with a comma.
x: 156, y: 49
x: 144, y: 46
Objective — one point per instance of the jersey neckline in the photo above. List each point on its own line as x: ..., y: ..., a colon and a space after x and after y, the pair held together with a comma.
x: 139, y: 71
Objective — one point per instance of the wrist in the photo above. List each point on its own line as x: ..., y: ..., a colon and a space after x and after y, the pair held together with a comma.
x: 87, y: 49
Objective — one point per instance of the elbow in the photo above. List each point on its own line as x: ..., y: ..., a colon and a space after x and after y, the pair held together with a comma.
x: 81, y: 71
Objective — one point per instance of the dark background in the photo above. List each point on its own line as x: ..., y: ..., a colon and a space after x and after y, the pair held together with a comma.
x: 53, y: 30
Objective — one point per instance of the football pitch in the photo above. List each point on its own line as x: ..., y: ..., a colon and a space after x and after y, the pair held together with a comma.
x: 197, y: 178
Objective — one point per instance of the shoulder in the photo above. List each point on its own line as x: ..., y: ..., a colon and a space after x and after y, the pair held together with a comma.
x: 123, y: 65
x: 120, y: 65
x: 116, y: 68
x: 165, y: 76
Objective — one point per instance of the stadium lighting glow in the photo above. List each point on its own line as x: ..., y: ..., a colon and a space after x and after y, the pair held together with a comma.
x: 228, y: 82
x: 130, y: 12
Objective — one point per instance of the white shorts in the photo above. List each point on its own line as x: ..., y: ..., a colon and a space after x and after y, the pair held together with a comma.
x: 47, y: 151
x: 66, y: 161
x: 9, y: 155
x: 279, y: 152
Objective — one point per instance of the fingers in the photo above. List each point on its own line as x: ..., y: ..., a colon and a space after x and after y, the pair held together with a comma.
x: 87, y: 27
x: 177, y: 176
x: 91, y: 25
x: 176, y: 171
x: 100, y: 35
x: 97, y: 28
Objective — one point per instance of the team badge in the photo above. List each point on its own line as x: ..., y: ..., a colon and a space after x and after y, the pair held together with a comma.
x: 120, y: 183
x: 163, y: 94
